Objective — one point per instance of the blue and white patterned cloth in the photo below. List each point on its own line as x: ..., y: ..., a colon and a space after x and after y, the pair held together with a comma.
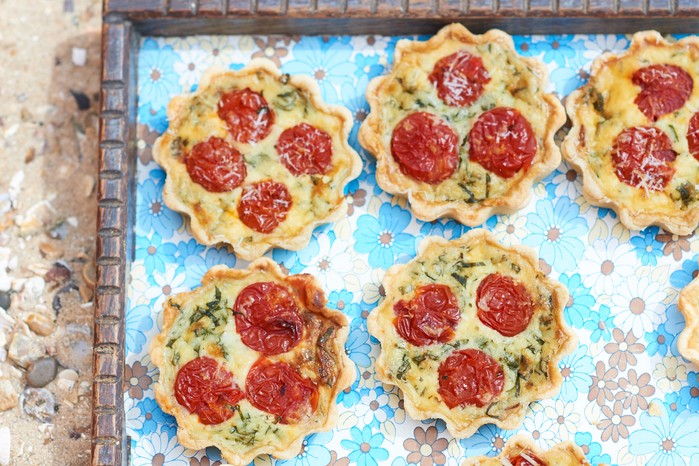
x: 626, y: 317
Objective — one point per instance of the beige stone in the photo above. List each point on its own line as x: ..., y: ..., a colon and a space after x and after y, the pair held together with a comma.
x: 24, y: 348
x: 40, y: 324
x: 8, y: 396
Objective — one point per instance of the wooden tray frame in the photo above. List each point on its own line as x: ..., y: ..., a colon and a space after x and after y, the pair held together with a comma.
x: 124, y: 21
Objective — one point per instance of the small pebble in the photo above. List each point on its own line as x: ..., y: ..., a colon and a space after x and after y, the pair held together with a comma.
x: 41, y: 372
x: 59, y: 231
x: 58, y: 274
x: 66, y: 379
x: 75, y: 351
x: 79, y: 56
x: 5, y: 443
x: 40, y: 324
x: 24, y: 348
x: 8, y: 395
x: 81, y: 100
x: 5, y: 300
x: 39, y: 403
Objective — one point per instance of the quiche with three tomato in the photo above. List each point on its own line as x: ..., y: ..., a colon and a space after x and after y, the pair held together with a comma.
x: 471, y: 332
x: 255, y: 159
x: 462, y: 125
x: 635, y: 134
x: 251, y: 362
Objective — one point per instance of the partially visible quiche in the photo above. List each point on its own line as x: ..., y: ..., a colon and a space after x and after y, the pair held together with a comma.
x: 688, y: 304
x: 462, y: 125
x: 521, y: 451
x: 251, y: 362
x: 471, y: 332
x: 256, y: 159
x: 635, y: 134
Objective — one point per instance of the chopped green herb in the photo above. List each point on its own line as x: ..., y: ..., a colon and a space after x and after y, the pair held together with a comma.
x: 404, y: 366
x: 459, y: 279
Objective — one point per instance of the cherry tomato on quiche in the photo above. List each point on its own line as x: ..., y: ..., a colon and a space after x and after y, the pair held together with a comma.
x: 664, y: 89
x: 264, y: 205
x: 429, y: 317
x: 278, y: 389
x: 267, y: 318
x: 526, y: 458
x: 693, y: 135
x: 425, y: 147
x: 248, y: 116
x: 504, y: 304
x: 470, y: 377
x: 305, y: 150
x: 207, y: 389
x: 459, y: 78
x: 502, y: 141
x: 216, y: 165
x: 642, y: 157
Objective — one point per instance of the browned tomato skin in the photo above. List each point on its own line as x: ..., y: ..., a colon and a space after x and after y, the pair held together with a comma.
x: 207, y: 389
x: 425, y: 148
x: 642, y: 157
x: 693, y: 136
x: 429, y: 317
x: 305, y: 150
x: 459, y: 78
x: 502, y: 141
x: 264, y: 205
x: 216, y: 165
x: 470, y: 377
x: 267, y: 318
x: 664, y: 89
x: 519, y: 460
x: 247, y: 114
x: 504, y: 304
x: 277, y: 388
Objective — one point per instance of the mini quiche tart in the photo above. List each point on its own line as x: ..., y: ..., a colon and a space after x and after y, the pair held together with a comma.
x: 462, y: 126
x: 635, y: 134
x: 256, y: 159
x: 688, y: 304
x: 471, y: 332
x: 521, y: 451
x: 251, y: 362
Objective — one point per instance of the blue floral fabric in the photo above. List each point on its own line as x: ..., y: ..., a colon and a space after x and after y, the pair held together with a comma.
x: 627, y: 395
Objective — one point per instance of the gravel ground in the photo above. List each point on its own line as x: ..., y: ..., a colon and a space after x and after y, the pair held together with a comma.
x: 49, y: 89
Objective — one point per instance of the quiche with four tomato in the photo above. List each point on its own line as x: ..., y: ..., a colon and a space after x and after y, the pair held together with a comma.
x: 255, y: 159
x: 471, y: 332
x: 251, y: 362
x: 635, y: 134
x: 462, y: 125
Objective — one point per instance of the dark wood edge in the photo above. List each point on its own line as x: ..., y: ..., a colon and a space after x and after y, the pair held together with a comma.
x: 117, y: 117
x: 448, y: 10
x: 124, y: 20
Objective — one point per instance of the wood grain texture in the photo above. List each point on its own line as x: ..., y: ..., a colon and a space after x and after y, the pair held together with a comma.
x: 116, y: 110
x: 125, y: 20
x: 446, y: 10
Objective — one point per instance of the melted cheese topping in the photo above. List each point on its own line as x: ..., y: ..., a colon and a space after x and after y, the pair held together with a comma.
x: 313, y: 196
x: 513, y: 83
x: 556, y: 456
x: 198, y: 333
x: 607, y: 108
x: 524, y: 357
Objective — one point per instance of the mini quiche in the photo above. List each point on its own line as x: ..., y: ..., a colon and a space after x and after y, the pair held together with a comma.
x: 471, y: 332
x: 688, y: 304
x: 462, y: 126
x: 521, y: 451
x: 256, y: 159
x: 635, y: 134
x: 251, y: 362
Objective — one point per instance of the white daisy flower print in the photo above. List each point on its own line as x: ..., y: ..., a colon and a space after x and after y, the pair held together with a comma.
x: 637, y: 305
x: 510, y: 229
x: 166, y: 284
x: 332, y: 264
x: 602, y: 43
x: 158, y: 448
x: 190, y: 67
x: 605, y: 264
x: 373, y: 290
x: 565, y: 419
x: 542, y: 428
x: 669, y: 374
